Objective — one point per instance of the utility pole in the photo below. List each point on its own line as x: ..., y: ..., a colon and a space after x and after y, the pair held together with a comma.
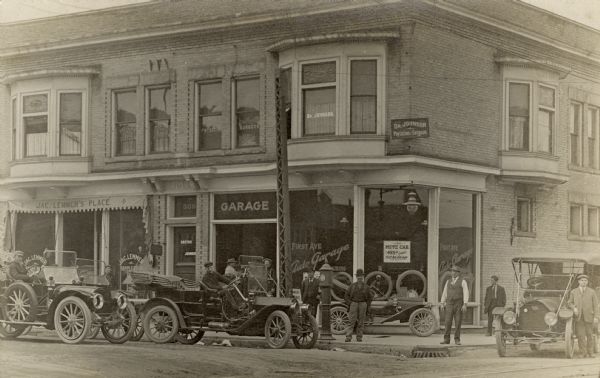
x: 283, y: 199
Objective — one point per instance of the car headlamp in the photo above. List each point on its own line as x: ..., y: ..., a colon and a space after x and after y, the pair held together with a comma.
x: 304, y: 307
x: 509, y: 317
x: 121, y: 301
x: 550, y: 318
x: 98, y: 301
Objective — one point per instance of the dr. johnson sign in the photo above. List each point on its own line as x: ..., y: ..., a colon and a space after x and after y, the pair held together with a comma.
x: 410, y: 128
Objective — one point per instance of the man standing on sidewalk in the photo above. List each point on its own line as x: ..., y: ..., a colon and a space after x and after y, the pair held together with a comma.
x: 495, y: 296
x: 358, y: 297
x: 454, y: 300
x: 584, y: 302
x: 309, y: 291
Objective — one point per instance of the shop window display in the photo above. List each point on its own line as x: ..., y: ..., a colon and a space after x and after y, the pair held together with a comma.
x: 395, y: 256
x: 126, y: 238
x: 322, y: 231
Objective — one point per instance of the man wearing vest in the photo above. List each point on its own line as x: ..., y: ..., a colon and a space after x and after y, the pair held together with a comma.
x: 495, y: 296
x: 454, y: 300
x: 584, y: 303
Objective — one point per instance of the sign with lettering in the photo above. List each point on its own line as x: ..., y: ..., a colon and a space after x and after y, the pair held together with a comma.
x: 410, y: 128
x: 396, y: 251
x: 77, y: 204
x: 259, y: 205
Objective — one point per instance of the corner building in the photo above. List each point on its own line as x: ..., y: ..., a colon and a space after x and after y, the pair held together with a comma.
x: 421, y: 134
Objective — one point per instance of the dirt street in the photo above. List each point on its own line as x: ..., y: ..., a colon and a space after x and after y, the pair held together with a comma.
x: 48, y: 358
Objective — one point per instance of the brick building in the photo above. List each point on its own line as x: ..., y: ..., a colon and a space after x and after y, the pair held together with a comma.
x: 421, y: 134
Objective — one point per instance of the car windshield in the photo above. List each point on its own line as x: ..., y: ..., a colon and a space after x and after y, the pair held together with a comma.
x: 547, y: 276
x: 90, y: 272
x: 60, y: 258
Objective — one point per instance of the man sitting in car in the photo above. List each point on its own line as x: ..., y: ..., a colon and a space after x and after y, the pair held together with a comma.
x: 17, y: 270
x: 212, y: 279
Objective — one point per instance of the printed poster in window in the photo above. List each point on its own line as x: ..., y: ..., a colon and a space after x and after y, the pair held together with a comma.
x: 396, y: 251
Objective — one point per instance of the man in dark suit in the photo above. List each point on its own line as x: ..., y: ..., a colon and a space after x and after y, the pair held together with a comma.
x: 584, y: 303
x: 495, y: 296
x: 310, y: 292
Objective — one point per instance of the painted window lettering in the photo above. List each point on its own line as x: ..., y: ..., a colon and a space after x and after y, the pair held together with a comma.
x: 245, y: 206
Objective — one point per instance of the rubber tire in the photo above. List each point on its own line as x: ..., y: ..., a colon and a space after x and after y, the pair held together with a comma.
x: 94, y: 331
x: 315, y: 335
x: 421, y: 313
x: 29, y: 293
x: 387, y: 279
x: 569, y: 340
x: 132, y: 316
x: 87, y: 320
x: 183, y: 336
x: 138, y: 332
x: 13, y: 332
x: 500, y: 337
x: 287, y: 325
x: 416, y: 273
x: 173, y: 317
x: 343, y: 311
x: 333, y: 293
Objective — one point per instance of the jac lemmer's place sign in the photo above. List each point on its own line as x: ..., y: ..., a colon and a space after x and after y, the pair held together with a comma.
x: 410, y: 128
x: 246, y: 205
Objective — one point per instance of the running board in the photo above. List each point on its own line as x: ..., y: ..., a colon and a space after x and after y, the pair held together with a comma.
x: 35, y: 324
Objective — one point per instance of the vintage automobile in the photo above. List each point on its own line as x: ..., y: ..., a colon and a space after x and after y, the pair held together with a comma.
x: 183, y: 310
x: 539, y: 313
x: 68, y: 296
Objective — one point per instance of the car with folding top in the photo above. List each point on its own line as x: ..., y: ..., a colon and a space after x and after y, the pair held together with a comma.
x: 68, y: 295
x: 539, y: 313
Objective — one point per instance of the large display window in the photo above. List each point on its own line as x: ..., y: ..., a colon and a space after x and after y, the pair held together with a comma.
x: 250, y: 239
x: 395, y: 251
x: 34, y: 233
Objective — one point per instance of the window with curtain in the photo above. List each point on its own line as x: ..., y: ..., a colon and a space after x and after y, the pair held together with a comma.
x: 125, y: 122
x: 159, y: 119
x: 210, y: 115
x: 518, y: 116
x: 319, y: 98
x: 247, y: 112
x: 546, y: 111
x: 70, y: 116
x: 363, y: 97
x: 35, y: 125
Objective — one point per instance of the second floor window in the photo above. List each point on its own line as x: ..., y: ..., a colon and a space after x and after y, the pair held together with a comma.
x: 319, y: 98
x: 247, y: 112
x: 363, y: 97
x: 593, y: 228
x: 518, y: 116
x: 70, y: 121
x: 35, y: 125
x: 576, y: 220
x: 125, y: 122
x: 159, y: 119
x: 593, y: 128
x: 210, y: 116
x: 546, y: 111
x: 575, y: 143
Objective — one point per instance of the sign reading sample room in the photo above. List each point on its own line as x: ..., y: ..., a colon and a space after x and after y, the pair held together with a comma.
x: 396, y: 251
x: 260, y: 205
x: 410, y: 128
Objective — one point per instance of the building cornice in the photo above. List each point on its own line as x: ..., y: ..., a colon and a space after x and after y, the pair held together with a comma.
x: 62, y: 72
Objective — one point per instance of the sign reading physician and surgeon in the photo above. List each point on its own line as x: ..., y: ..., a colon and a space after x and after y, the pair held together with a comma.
x: 410, y: 128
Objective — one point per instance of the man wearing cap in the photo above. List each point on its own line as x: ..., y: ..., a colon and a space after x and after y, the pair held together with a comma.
x: 230, y: 271
x: 358, y: 297
x: 495, y: 296
x: 454, y: 300
x: 17, y: 270
x: 584, y: 303
x: 213, y: 279
x: 309, y: 291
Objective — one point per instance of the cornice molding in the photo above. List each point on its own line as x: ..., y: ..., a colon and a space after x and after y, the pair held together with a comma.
x: 62, y: 72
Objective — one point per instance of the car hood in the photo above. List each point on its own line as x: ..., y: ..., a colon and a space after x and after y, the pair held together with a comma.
x: 551, y: 304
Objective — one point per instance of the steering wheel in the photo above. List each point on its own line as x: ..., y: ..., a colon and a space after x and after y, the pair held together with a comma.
x: 535, y: 282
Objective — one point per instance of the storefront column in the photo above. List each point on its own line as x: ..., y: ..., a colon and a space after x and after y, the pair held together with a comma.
x: 433, y: 244
x: 477, y: 245
x: 104, y: 238
x: 58, y: 237
x: 359, y: 229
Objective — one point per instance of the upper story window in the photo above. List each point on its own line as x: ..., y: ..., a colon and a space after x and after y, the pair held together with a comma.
x: 334, y: 89
x: 158, y: 123
x: 576, y: 220
x: 49, y: 117
x: 246, y: 117
x: 593, y: 130
x: 593, y: 224
x: 546, y: 117
x: 210, y: 120
x: 518, y: 116
x: 575, y: 133
x: 125, y: 111
x: 524, y: 215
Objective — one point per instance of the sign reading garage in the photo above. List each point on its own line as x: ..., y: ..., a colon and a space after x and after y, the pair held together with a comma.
x: 259, y: 205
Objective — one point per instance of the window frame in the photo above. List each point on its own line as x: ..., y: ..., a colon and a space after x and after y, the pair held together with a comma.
x: 14, y: 118
x: 234, y: 113
x: 58, y: 123
x: 578, y: 133
x: 114, y: 110
x: 530, y: 118
x: 530, y: 231
x: 592, y: 124
x: 197, y: 116
x: 595, y: 232
x: 552, y: 111
x: 327, y: 85
x: 148, y: 148
x: 24, y: 115
x: 580, y: 206
x: 352, y: 59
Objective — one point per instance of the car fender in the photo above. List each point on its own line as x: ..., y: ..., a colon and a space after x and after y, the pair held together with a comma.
x: 167, y: 302
x: 499, y: 310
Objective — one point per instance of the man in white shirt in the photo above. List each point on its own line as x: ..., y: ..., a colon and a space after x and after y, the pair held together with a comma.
x: 454, y: 300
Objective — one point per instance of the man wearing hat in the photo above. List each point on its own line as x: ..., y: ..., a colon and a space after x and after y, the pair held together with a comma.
x: 230, y: 271
x: 358, y: 297
x: 309, y: 290
x: 17, y: 270
x: 584, y: 303
x: 495, y: 296
x: 454, y: 300
x: 212, y: 279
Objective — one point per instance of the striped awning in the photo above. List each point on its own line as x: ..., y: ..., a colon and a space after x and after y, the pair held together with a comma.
x: 69, y: 205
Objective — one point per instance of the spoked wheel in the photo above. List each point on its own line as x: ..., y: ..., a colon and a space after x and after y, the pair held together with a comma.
x: 161, y: 324
x: 569, y: 339
x: 422, y: 322
x: 341, y: 282
x: 94, y: 331
x: 278, y: 329
x: 307, y: 333
x: 189, y: 336
x: 11, y: 331
x: 121, y: 326
x: 21, y: 303
x: 500, y: 337
x: 72, y: 320
x: 138, y: 332
x: 339, y: 320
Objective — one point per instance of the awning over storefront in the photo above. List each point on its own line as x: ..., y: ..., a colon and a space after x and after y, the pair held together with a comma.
x: 78, y: 204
